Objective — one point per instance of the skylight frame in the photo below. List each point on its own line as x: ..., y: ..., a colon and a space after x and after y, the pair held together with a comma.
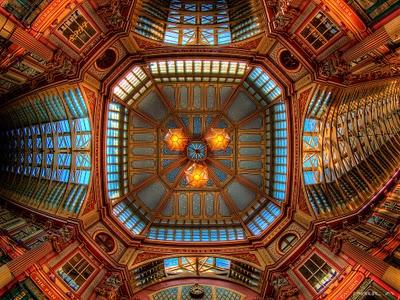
x: 190, y: 234
x: 132, y: 85
x: 128, y: 216
x: 116, y: 150
x: 192, y: 24
x: 198, y: 70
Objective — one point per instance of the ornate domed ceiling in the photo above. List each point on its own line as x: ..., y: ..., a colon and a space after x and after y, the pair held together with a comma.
x: 199, y: 138
x: 245, y: 185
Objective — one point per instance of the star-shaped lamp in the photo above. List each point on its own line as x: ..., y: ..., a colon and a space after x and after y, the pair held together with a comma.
x: 217, y: 139
x: 176, y: 139
x: 197, y: 175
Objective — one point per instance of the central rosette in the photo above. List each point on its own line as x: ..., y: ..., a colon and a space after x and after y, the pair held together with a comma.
x: 196, y: 150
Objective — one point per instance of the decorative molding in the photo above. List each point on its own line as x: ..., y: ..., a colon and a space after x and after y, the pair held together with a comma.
x: 248, y: 45
x: 146, y: 43
x: 101, y: 74
x: 292, y: 228
x: 249, y: 257
x: 114, y: 13
x: 295, y: 74
x: 299, y: 109
x: 145, y: 256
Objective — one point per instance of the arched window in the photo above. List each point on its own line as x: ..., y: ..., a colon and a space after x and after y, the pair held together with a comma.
x: 287, y: 242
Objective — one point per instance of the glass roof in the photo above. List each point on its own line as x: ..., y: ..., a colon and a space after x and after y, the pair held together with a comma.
x: 349, y: 148
x: 46, y: 153
x: 146, y: 180
x: 213, y: 22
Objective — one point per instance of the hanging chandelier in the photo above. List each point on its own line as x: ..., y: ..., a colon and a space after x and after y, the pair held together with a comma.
x: 197, y: 175
x: 176, y: 139
x: 196, y: 151
x: 217, y: 139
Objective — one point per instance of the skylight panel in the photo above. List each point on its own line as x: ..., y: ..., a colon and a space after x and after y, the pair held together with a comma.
x: 196, y: 235
x: 207, y: 66
x: 116, y: 159
x: 276, y: 139
x: 120, y: 92
x: 224, y: 67
x: 262, y: 87
x: 127, y: 88
x: 188, y: 66
x: 180, y: 66
x: 134, y: 84
x: 215, y: 67
x: 264, y: 218
x: 130, y: 219
x: 171, y: 36
x: 197, y: 66
x: 241, y: 69
x: 171, y: 67
x: 198, y: 70
x: 75, y: 103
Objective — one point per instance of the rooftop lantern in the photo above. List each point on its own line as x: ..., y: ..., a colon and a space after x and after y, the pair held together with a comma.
x: 217, y: 139
x: 176, y: 139
x: 197, y: 175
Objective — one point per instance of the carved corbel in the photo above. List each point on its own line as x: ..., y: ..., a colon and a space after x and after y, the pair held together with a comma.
x: 108, y: 288
x: 112, y: 13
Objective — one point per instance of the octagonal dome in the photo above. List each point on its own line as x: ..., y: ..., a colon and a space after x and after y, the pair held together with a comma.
x: 146, y: 180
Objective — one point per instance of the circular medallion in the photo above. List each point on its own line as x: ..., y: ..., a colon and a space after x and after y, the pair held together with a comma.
x: 288, y: 60
x: 196, y: 151
x: 107, y: 59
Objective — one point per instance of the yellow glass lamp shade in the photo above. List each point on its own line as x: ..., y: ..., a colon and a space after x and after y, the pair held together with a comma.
x: 176, y: 139
x: 217, y: 139
x: 197, y: 175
